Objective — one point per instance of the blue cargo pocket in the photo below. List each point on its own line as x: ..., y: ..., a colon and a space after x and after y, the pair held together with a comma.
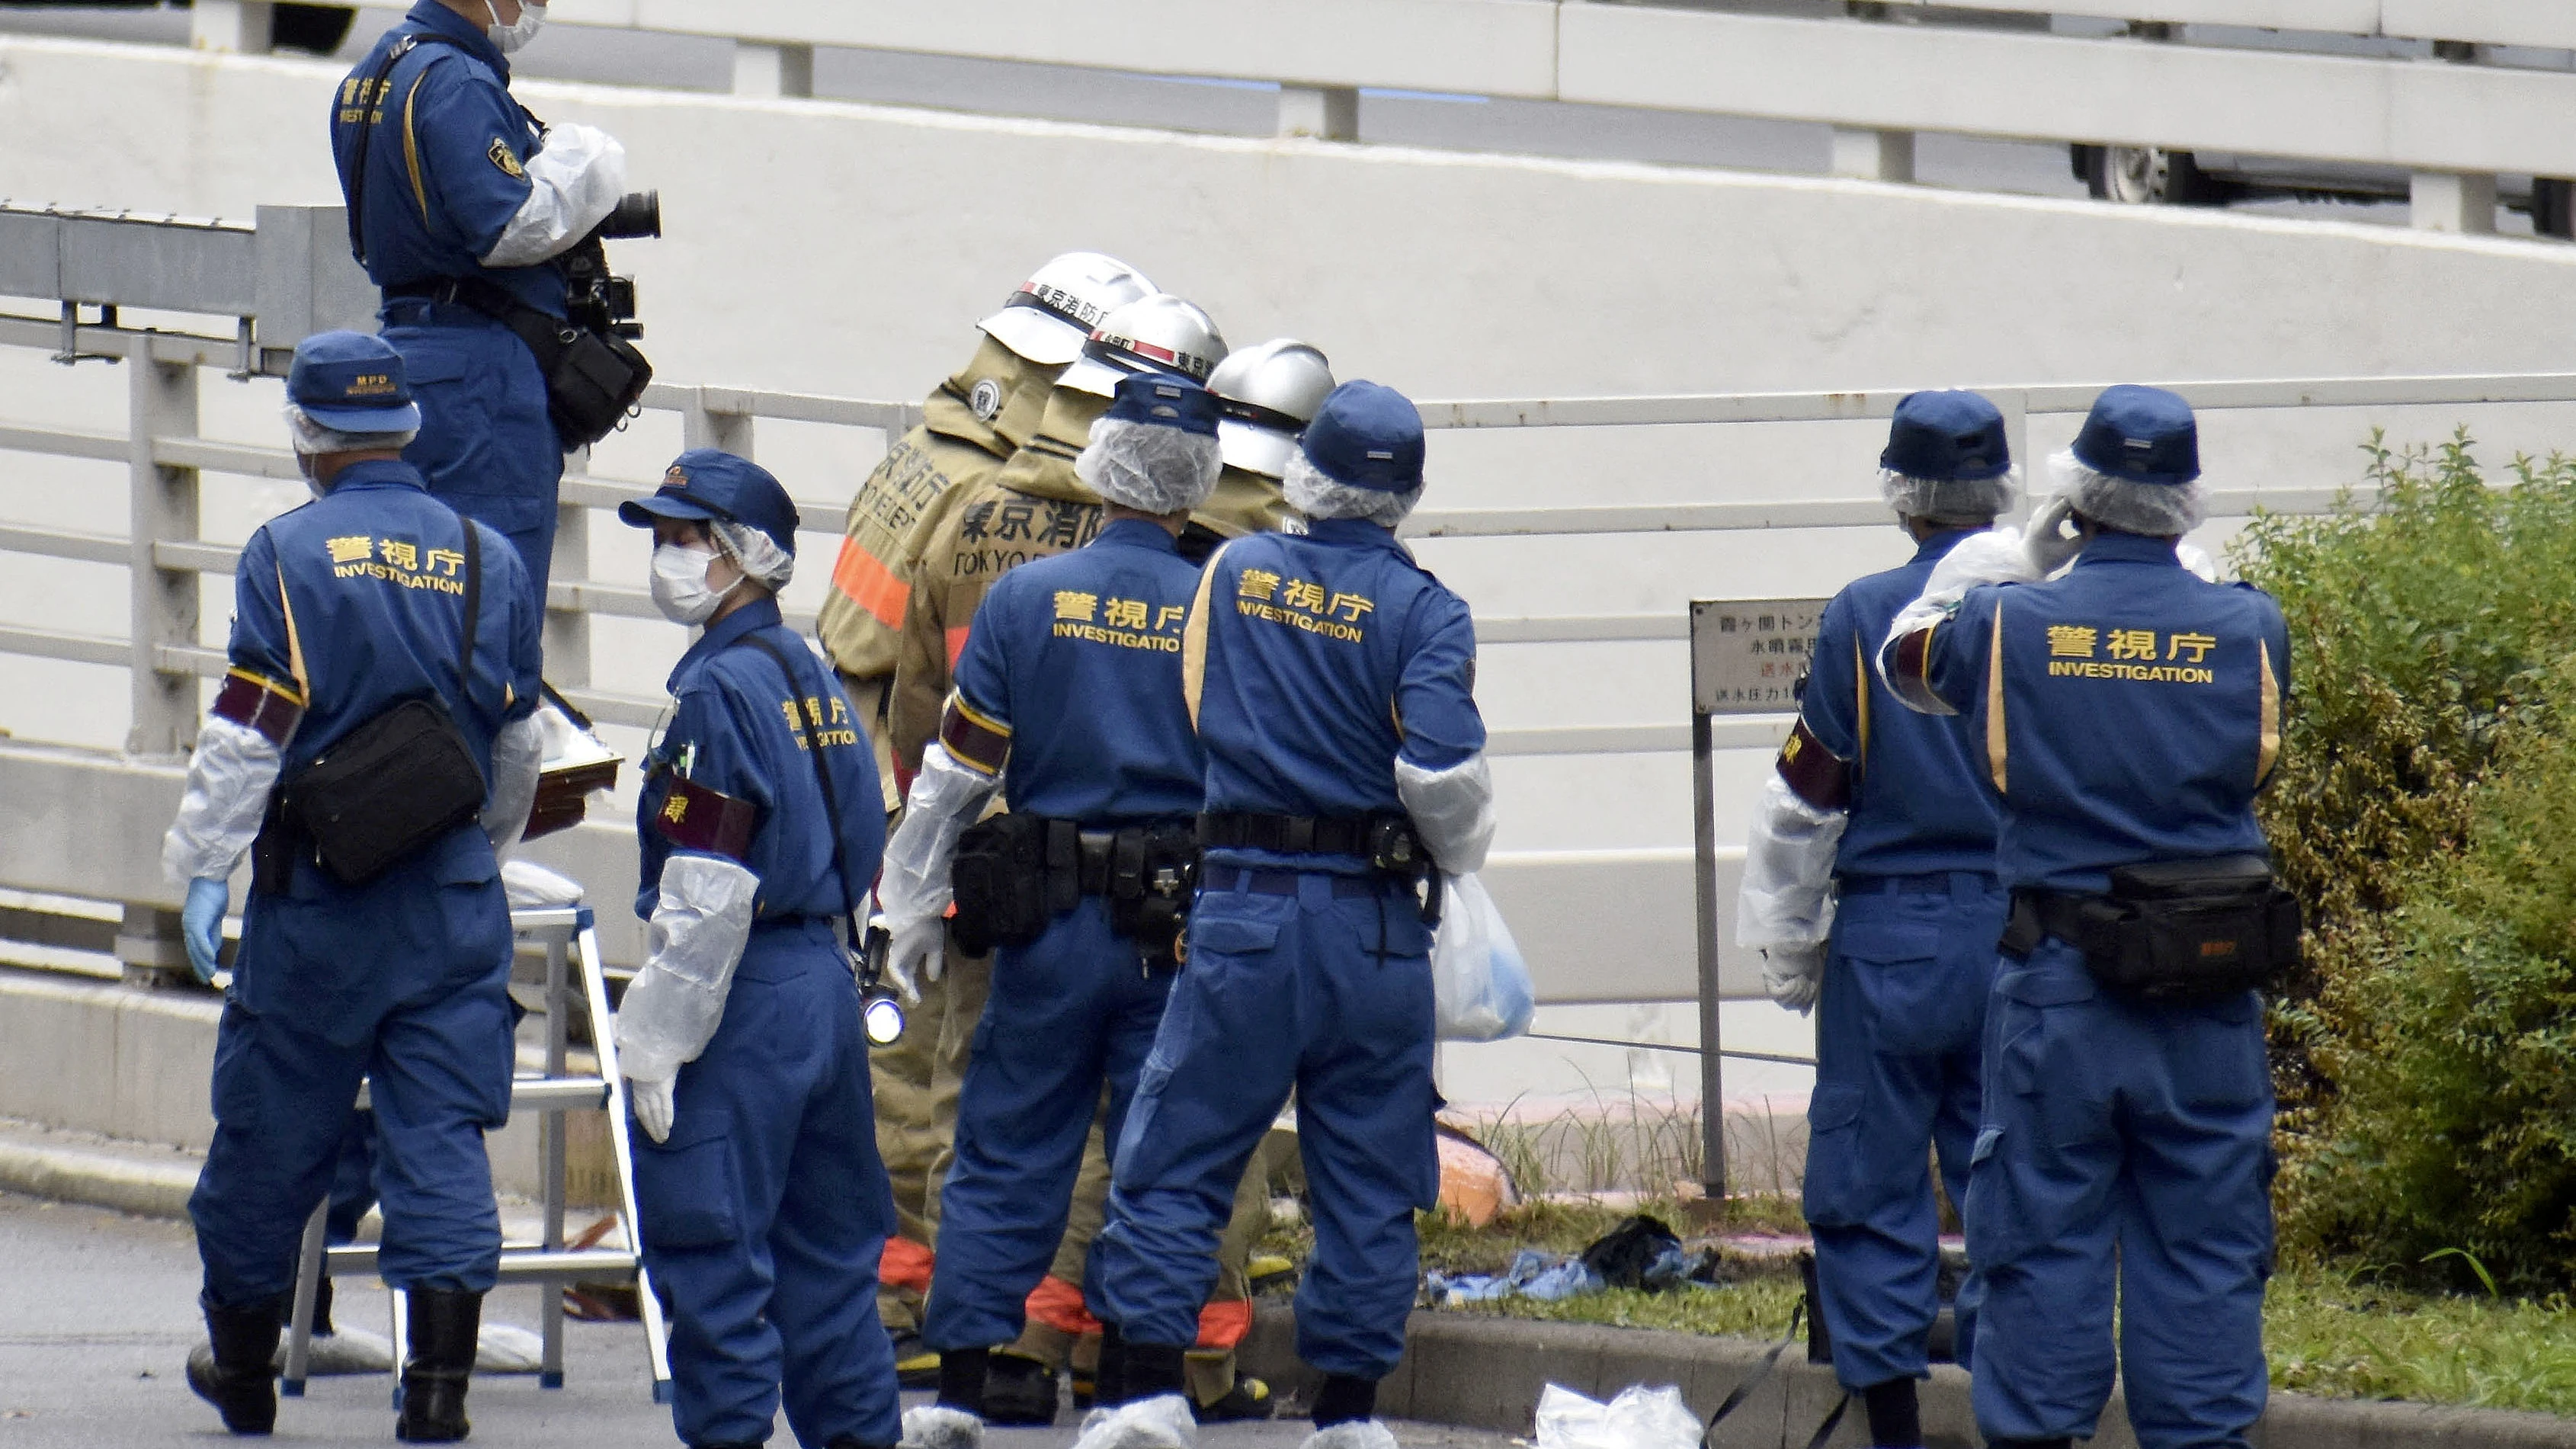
x: 1917, y: 1003
x: 686, y: 1188
x: 2219, y: 1058
x: 1835, y: 1189
x: 1231, y: 935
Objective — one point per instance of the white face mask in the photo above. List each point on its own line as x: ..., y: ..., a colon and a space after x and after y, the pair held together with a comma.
x: 513, y: 38
x: 680, y: 588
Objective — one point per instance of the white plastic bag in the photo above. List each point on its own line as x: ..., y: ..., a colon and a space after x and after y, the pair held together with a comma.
x: 1639, y: 1418
x: 1478, y: 977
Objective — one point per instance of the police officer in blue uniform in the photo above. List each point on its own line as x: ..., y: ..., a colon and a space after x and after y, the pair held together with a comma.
x: 1068, y: 699
x: 1331, y: 679
x: 1878, y: 827
x: 763, y: 1203
x: 449, y: 180
x: 372, y: 596
x: 2128, y: 714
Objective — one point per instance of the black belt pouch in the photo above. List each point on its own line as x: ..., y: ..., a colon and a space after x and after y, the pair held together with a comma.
x: 386, y: 791
x: 2188, y: 932
x: 1000, y: 878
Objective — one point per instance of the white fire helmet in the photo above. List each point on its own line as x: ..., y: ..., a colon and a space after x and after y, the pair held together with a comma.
x: 1051, y: 314
x: 1160, y: 333
x: 1268, y: 394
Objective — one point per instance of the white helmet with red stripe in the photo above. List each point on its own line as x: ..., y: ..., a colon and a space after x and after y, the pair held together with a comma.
x: 1051, y: 314
x: 1160, y: 333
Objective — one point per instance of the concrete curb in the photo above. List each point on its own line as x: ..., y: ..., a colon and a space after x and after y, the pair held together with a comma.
x: 1487, y: 1373
x: 98, y: 1179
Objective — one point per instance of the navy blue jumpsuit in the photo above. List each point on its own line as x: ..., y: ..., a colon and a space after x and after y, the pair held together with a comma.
x: 1321, y: 659
x: 1907, y: 971
x: 2129, y: 712
x: 764, y: 1213
x: 1070, y: 685
x: 350, y: 605
x: 444, y: 177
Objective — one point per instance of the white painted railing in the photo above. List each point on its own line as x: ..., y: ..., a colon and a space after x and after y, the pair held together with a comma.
x: 2425, y: 115
x: 115, y: 807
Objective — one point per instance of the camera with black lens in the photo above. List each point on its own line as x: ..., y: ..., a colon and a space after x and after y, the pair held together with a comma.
x: 598, y: 299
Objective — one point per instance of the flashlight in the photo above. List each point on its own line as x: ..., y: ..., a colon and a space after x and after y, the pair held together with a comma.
x: 879, y: 1013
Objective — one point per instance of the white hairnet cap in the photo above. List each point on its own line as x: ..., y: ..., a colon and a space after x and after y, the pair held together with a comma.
x: 1149, y: 467
x: 313, y: 440
x: 2160, y: 510
x: 760, y: 556
x: 1316, y: 495
x: 1946, y: 498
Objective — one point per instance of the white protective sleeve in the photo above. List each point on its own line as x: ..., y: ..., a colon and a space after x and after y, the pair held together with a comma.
x: 946, y: 797
x: 1453, y: 809
x: 693, y: 943
x: 229, y: 778
x: 1788, y: 894
x: 1994, y: 557
x: 573, y: 184
x: 518, y: 753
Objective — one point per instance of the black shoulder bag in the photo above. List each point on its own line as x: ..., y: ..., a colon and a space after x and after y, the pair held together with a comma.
x: 388, y: 789
x: 593, y: 379
x: 862, y: 964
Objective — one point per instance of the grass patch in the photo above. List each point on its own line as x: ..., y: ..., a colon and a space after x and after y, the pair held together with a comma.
x: 2340, y: 1336
x: 1754, y: 1308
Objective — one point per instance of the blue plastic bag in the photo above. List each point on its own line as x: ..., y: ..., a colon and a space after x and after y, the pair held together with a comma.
x: 1481, y: 982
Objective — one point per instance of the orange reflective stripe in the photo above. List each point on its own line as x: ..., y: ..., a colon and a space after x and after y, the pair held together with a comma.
x: 905, y: 1264
x: 1058, y: 1304
x: 956, y: 647
x: 1223, y: 1325
x: 867, y: 582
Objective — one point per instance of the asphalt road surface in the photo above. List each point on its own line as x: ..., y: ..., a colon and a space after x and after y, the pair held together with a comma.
x: 98, y: 1312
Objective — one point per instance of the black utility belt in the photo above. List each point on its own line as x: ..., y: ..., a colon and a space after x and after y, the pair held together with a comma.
x: 2182, y: 932
x: 594, y: 380
x: 1387, y: 842
x: 1015, y: 873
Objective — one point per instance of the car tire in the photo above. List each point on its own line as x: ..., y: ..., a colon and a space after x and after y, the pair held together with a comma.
x: 2553, y: 207
x: 2152, y: 176
x: 320, y: 29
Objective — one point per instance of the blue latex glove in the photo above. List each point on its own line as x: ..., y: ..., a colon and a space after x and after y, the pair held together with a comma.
x: 201, y: 924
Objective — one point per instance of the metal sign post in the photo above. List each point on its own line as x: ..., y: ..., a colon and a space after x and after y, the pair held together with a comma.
x: 1747, y: 658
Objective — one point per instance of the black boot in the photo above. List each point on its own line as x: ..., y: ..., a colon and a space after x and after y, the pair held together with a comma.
x: 235, y: 1375
x: 1151, y: 1370
x: 1019, y: 1390
x: 445, y: 1325
x: 1109, y: 1377
x: 962, y: 1376
x: 1895, y: 1416
x: 1344, y: 1400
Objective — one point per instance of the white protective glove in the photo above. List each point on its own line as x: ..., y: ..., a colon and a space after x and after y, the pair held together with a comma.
x: 1452, y: 809
x: 1994, y: 557
x: 651, y: 1099
x: 229, y: 777
x: 917, y: 951
x: 1794, y: 974
x: 2197, y: 559
x: 574, y: 181
x: 2046, y: 545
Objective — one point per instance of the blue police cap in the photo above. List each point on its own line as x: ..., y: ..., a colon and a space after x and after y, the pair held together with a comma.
x: 1165, y: 400
x: 709, y: 483
x: 2143, y: 434
x: 1947, y: 437
x: 353, y: 383
x: 1366, y: 435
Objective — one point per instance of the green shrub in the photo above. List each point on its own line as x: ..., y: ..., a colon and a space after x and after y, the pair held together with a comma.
x: 2427, y: 631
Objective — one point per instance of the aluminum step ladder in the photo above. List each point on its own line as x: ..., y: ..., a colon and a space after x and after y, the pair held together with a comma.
x: 565, y: 934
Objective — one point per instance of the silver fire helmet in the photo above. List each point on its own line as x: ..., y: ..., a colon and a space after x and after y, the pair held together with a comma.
x: 1047, y: 319
x: 1268, y: 395
x: 1160, y: 333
